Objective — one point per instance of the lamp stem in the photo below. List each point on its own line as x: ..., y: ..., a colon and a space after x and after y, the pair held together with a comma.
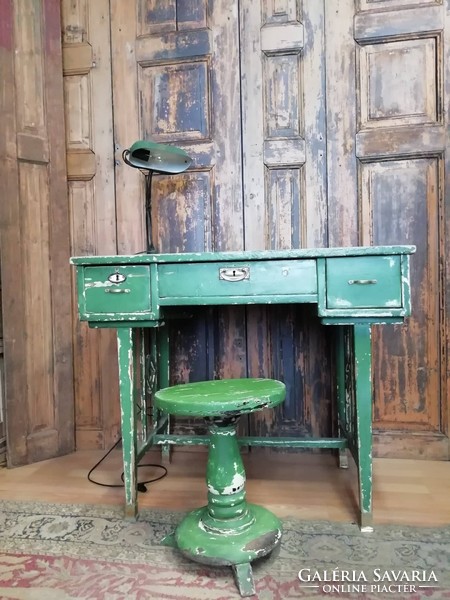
x: 148, y: 212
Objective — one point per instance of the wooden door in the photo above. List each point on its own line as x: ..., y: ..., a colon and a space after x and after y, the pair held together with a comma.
x: 226, y: 81
x: 34, y: 234
x: 387, y: 86
x: 90, y: 175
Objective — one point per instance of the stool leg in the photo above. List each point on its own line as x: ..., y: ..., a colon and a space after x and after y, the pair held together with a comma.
x: 243, y: 575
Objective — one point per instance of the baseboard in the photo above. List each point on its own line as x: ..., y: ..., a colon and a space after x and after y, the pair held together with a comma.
x: 419, y: 445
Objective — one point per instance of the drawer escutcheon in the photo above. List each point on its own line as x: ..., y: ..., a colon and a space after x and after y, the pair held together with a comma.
x: 234, y: 274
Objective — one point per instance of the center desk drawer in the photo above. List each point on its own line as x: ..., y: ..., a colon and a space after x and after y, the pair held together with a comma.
x: 363, y: 282
x: 207, y: 282
x: 120, y: 290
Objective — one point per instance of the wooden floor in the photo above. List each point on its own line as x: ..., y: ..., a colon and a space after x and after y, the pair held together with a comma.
x: 301, y: 485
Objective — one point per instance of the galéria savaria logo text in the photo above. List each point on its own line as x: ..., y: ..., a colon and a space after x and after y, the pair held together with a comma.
x: 377, y: 581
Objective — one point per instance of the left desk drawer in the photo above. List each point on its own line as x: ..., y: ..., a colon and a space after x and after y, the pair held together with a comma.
x: 116, y: 290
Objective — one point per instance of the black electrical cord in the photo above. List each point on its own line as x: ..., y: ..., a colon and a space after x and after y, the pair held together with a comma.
x: 141, y: 486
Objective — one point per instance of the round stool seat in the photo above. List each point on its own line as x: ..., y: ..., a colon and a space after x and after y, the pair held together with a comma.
x: 220, y: 398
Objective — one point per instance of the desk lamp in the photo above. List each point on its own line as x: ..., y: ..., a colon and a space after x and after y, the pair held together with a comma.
x: 151, y: 158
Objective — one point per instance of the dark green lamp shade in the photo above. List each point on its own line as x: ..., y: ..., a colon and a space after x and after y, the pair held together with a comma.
x: 160, y: 158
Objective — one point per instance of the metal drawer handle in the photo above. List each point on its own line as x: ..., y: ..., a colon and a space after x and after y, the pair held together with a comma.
x: 233, y: 274
x: 362, y: 281
x: 117, y: 291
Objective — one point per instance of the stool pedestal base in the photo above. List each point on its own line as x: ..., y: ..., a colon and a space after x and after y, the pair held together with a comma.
x: 235, y: 547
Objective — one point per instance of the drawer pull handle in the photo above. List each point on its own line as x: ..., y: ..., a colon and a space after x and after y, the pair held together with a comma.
x: 117, y: 291
x: 362, y: 281
x: 233, y: 274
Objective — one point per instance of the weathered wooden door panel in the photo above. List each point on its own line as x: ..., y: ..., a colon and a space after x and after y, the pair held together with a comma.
x: 35, y: 233
x: 388, y: 187
x: 174, y: 76
x: 284, y: 174
x: 283, y: 120
x: 400, y: 83
x: 403, y: 199
x: 90, y: 164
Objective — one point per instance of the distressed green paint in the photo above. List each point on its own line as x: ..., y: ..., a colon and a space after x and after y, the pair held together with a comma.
x: 266, y: 442
x: 154, y: 285
x: 80, y: 291
x: 122, y: 324
x: 225, y: 474
x: 259, y: 278
x: 228, y: 530
x: 153, y: 369
x: 184, y: 257
x: 352, y: 288
x: 363, y: 400
x: 234, y: 299
x: 370, y: 283
x: 364, y: 282
x: 143, y: 392
x: 406, y: 288
x: 102, y: 299
x: 162, y: 336
x: 361, y: 320
x: 127, y: 297
x: 341, y: 393
x: 163, y: 356
x: 222, y: 397
x: 125, y: 347
x: 152, y: 433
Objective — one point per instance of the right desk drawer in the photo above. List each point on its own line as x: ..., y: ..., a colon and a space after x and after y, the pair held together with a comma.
x: 363, y: 282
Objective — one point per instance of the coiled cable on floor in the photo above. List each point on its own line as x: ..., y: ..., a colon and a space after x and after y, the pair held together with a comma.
x: 141, y: 486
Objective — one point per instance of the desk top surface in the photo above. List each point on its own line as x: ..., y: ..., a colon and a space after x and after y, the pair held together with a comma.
x: 244, y: 255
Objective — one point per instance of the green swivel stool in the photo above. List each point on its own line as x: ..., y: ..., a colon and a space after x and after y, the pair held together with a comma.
x: 228, y: 530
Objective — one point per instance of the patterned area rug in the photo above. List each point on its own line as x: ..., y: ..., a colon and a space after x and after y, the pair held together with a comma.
x: 68, y: 552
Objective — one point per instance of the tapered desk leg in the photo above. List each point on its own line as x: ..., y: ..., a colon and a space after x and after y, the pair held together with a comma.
x: 362, y: 368
x: 127, y: 390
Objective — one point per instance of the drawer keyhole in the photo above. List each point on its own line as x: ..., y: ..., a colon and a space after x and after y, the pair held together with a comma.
x: 117, y: 278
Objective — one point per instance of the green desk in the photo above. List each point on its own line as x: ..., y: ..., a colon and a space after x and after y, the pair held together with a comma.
x: 352, y: 288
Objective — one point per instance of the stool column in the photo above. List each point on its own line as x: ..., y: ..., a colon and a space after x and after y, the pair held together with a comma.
x: 225, y: 478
